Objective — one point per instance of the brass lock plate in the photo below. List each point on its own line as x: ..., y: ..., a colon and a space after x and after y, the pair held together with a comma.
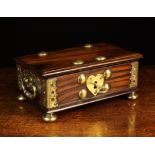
x: 95, y: 83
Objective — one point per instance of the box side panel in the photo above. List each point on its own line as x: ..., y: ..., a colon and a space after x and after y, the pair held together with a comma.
x: 30, y: 84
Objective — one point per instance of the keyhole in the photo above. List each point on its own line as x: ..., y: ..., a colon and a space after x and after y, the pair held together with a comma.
x: 95, y: 84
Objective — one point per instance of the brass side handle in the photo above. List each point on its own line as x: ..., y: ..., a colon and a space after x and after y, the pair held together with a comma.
x: 29, y: 88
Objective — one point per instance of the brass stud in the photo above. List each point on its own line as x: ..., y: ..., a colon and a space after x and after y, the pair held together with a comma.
x: 83, y: 93
x: 81, y: 79
x: 88, y: 46
x: 106, y: 87
x: 107, y: 74
x: 78, y: 62
x: 100, y: 58
x: 42, y: 53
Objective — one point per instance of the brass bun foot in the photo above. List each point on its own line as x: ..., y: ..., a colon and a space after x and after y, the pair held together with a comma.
x: 133, y: 96
x: 50, y: 117
x: 21, y: 97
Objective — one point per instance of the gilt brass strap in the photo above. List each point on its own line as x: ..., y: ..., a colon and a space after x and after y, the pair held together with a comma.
x: 51, y: 93
x: 134, y: 74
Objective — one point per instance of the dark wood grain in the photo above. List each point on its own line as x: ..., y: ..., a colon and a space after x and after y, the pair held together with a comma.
x: 61, y: 62
x: 113, y: 117
x: 59, y: 65
x: 68, y: 88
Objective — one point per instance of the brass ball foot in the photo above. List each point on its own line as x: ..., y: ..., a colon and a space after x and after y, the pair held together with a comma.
x: 133, y: 96
x: 21, y: 97
x: 50, y: 117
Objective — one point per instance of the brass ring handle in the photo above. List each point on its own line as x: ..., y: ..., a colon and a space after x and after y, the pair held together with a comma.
x: 27, y: 83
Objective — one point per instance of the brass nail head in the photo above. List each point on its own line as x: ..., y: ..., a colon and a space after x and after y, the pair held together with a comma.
x: 78, y: 62
x: 88, y: 46
x: 83, y: 93
x: 100, y: 58
x: 81, y: 79
x: 42, y: 53
x: 107, y: 74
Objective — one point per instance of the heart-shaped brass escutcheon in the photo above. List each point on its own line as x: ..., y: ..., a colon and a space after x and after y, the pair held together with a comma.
x: 95, y: 83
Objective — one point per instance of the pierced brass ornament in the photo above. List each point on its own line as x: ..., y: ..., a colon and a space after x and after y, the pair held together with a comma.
x: 134, y: 75
x: 51, y: 93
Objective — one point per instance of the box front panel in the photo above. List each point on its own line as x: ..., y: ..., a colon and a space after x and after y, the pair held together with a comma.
x: 94, y: 84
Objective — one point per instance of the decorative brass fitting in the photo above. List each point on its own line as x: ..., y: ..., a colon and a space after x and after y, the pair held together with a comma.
x: 134, y: 75
x: 78, y: 62
x: 29, y: 84
x: 96, y: 84
x: 107, y: 73
x: 88, y: 46
x: 51, y: 93
x: 42, y: 53
x: 83, y: 93
x: 29, y: 88
x: 100, y: 58
x: 81, y: 79
x: 105, y: 89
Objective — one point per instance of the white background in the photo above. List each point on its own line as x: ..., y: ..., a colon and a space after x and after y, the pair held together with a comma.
x: 77, y: 146
x: 92, y: 8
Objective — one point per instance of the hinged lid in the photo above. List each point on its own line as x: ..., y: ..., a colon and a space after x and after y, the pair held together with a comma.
x: 77, y: 59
